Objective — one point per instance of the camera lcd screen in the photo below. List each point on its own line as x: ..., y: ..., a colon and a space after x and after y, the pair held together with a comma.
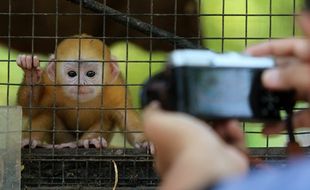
x: 221, y: 92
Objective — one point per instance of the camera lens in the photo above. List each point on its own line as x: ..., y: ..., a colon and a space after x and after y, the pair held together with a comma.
x: 155, y: 89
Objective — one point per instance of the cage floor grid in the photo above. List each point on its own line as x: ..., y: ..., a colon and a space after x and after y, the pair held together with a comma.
x: 91, y: 169
x: 87, y: 169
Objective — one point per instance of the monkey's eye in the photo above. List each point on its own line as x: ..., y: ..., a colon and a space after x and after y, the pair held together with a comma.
x: 90, y: 73
x: 72, y: 74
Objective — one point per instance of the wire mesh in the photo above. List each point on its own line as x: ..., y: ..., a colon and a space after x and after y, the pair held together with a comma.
x: 37, y: 27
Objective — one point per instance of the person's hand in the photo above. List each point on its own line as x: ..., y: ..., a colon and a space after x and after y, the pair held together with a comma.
x: 293, y: 72
x: 188, y: 152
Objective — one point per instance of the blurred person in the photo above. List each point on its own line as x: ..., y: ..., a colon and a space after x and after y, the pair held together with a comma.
x: 190, y: 155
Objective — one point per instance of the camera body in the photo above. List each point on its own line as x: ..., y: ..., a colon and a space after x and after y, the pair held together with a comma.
x: 215, y: 86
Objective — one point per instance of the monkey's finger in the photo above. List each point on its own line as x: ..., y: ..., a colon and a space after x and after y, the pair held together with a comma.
x: 38, y: 74
x: 29, y: 62
x: 23, y: 61
x: 36, y: 62
x: 99, y: 142
x: 66, y: 145
x: 18, y: 60
x: 152, y: 149
x: 48, y: 146
x: 25, y: 142
x: 144, y: 145
x: 34, y: 143
x: 31, y: 143
x: 39, y: 71
x: 85, y: 143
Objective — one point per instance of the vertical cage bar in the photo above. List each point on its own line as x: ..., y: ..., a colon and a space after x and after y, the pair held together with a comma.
x: 151, y: 38
x: 102, y: 131
x: 55, y: 73
x: 294, y: 17
x: 199, y: 18
x: 126, y: 75
x: 9, y: 54
x: 175, y: 21
x: 270, y: 37
x: 79, y: 69
x: 223, y: 26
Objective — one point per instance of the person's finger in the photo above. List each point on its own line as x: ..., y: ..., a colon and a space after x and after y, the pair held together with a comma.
x: 283, y: 61
x: 231, y: 132
x: 299, y: 48
x: 234, y: 130
x: 236, y: 134
x: 301, y: 119
x: 304, y: 23
x: 293, y: 76
x: 275, y: 79
x: 273, y: 128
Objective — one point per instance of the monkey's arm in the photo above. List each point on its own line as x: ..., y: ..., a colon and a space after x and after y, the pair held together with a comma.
x: 31, y: 92
x: 30, y: 96
x: 127, y: 119
x: 129, y: 122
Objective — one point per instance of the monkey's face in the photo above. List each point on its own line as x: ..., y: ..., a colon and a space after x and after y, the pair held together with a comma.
x: 83, y: 82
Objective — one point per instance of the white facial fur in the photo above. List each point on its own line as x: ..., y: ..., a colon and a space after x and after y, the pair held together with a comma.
x: 81, y: 76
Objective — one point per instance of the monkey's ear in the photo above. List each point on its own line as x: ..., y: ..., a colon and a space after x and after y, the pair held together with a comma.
x: 114, y: 68
x: 51, y: 68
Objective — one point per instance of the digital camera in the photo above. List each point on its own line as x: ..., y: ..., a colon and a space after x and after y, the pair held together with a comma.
x: 215, y: 86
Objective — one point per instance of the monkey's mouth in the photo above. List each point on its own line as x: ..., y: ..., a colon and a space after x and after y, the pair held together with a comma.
x: 81, y: 92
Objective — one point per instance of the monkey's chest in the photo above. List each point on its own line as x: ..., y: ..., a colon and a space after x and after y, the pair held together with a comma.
x: 82, y: 119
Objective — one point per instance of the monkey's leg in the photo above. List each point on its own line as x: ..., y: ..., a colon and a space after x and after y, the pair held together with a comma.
x: 62, y: 135
x: 37, y: 131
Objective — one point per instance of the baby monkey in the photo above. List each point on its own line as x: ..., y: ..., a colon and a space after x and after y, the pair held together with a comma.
x: 78, y: 99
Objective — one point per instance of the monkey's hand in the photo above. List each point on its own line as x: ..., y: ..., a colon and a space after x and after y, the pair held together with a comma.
x: 31, y: 66
x: 34, y: 143
x: 98, y: 142
x: 140, y: 141
x: 67, y: 145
